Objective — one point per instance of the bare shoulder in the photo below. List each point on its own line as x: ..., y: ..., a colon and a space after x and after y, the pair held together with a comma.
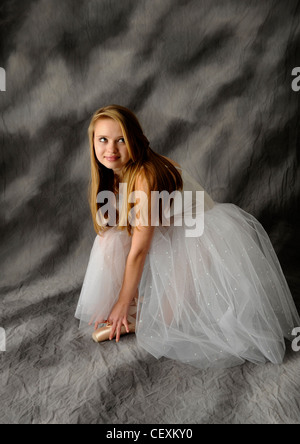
x: 172, y: 161
x: 143, y: 181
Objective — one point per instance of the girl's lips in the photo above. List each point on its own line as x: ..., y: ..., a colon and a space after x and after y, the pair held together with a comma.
x: 111, y: 159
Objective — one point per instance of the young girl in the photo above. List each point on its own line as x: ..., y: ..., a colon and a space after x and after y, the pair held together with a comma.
x: 214, y: 300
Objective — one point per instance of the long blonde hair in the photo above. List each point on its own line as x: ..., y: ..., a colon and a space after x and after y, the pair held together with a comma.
x: 159, y: 173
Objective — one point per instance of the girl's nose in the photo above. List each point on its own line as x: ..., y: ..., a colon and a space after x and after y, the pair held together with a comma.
x: 112, y: 148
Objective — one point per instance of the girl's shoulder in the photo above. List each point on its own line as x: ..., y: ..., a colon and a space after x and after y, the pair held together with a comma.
x: 172, y: 161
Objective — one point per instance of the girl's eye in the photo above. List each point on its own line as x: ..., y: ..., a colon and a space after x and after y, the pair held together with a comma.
x: 103, y: 139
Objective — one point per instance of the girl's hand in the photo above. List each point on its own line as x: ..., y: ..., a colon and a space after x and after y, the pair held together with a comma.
x: 97, y: 321
x: 118, y: 318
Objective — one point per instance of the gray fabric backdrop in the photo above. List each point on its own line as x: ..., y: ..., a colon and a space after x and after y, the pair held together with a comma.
x: 211, y: 84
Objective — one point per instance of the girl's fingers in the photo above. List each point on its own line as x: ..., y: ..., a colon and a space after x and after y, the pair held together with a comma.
x: 119, y: 331
x: 116, y: 329
x: 97, y: 323
x: 125, y: 323
x: 113, y: 329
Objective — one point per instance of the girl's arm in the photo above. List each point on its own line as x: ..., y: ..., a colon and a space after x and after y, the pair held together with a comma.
x: 140, y: 245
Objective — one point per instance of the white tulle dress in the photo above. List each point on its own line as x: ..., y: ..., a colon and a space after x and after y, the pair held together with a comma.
x: 215, y: 300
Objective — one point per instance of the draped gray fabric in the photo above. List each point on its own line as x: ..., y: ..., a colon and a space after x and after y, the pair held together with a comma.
x: 210, y: 82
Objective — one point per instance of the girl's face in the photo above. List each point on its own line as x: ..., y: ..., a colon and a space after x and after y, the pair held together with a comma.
x: 109, y: 143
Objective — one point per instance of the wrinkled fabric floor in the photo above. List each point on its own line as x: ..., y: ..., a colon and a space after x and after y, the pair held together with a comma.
x: 54, y: 373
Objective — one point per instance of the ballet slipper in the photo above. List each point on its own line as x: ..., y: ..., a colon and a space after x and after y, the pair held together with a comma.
x: 103, y: 333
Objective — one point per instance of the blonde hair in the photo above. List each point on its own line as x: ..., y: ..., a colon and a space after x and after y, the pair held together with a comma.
x: 159, y: 173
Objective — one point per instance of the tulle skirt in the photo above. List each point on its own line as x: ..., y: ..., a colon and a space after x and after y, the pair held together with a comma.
x: 210, y: 301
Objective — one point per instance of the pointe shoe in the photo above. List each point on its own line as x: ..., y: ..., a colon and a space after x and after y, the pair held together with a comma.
x: 102, y: 334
